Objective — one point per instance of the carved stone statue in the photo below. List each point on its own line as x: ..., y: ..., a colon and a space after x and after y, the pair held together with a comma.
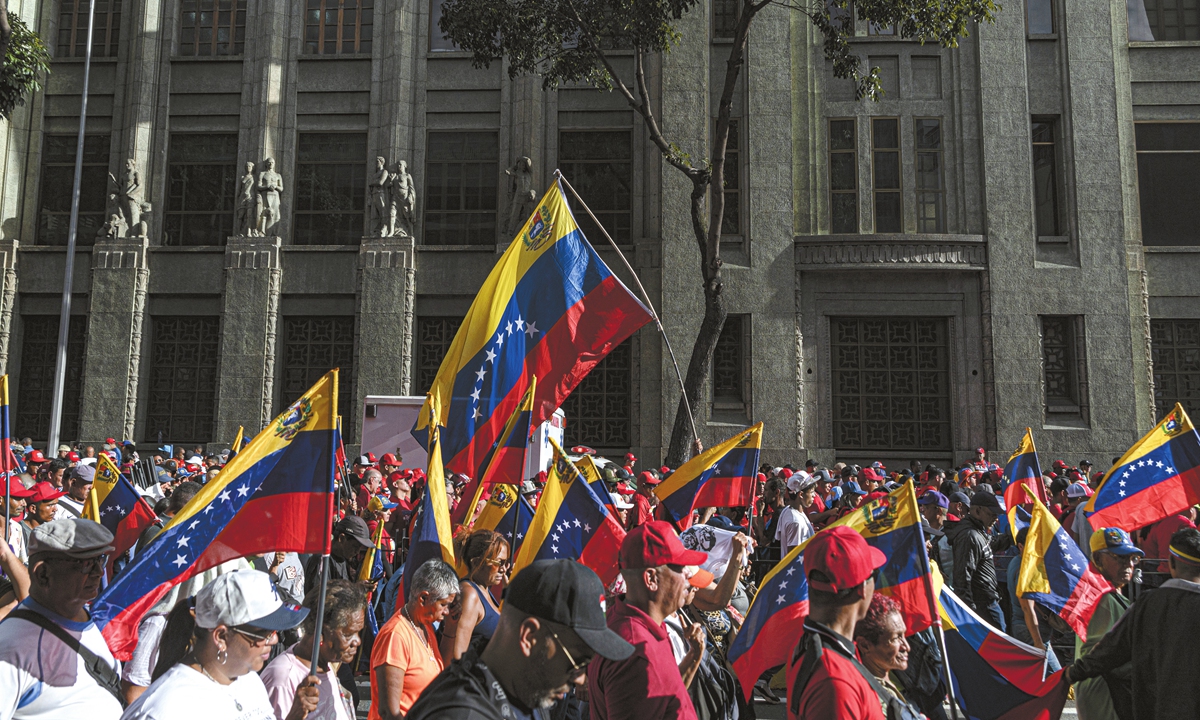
x: 522, y: 196
x: 142, y: 229
x: 129, y: 193
x: 380, y: 213
x: 112, y: 228
x: 270, y: 185
x: 402, y: 211
x: 245, y: 216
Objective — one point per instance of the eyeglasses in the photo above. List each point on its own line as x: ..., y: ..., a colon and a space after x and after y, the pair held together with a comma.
x: 500, y: 564
x: 86, y: 566
x: 255, y: 637
x: 576, y: 668
x: 1130, y: 559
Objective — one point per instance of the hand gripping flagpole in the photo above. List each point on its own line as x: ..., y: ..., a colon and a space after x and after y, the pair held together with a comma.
x: 323, y: 571
x: 645, y: 298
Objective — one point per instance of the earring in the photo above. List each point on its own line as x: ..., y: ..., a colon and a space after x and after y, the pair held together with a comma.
x: 222, y: 656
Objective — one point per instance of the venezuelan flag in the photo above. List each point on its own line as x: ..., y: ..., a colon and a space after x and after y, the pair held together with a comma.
x: 996, y: 677
x: 430, y: 537
x: 587, y: 467
x: 722, y: 476
x: 572, y: 522
x: 1157, y: 477
x: 551, y: 309
x: 277, y: 494
x: 7, y: 459
x: 507, y: 513
x: 1023, y: 469
x: 1056, y: 575
x: 114, y: 503
x: 507, y: 461
x: 891, y: 524
x: 237, y: 441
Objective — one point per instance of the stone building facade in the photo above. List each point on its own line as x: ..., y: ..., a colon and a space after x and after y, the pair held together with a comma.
x: 1007, y: 239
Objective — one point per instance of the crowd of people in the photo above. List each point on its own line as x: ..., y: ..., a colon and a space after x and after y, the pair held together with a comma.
x: 239, y: 641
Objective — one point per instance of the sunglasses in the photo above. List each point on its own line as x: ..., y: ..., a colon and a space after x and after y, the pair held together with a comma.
x: 87, y: 566
x: 576, y: 668
x: 255, y: 637
x: 500, y: 564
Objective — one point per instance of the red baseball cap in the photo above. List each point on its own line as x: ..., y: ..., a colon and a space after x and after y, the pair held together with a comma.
x: 17, y: 490
x: 843, y: 556
x: 35, y: 456
x: 648, y: 478
x: 869, y: 474
x: 73, y: 456
x: 629, y: 457
x: 665, y: 470
x: 655, y: 544
x: 44, y: 492
x: 110, y: 441
x: 979, y: 450
x: 388, y: 459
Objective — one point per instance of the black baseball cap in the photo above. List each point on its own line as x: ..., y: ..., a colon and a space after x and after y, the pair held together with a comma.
x: 355, y: 527
x: 985, y: 500
x: 568, y: 593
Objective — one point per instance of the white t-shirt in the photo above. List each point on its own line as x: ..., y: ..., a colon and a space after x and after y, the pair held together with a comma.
x: 285, y: 673
x: 16, y: 540
x: 68, y: 507
x: 186, y: 694
x: 41, y: 678
x: 793, y: 529
x: 141, y: 666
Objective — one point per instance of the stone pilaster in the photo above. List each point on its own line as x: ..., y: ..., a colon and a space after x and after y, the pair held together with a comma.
x: 8, y: 296
x: 120, y: 278
x: 386, y: 292
x: 250, y: 313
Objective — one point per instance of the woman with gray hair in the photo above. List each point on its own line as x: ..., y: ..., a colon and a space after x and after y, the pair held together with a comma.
x: 405, y: 657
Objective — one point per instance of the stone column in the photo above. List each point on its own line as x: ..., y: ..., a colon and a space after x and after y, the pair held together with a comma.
x: 386, y: 295
x: 112, y: 367
x: 8, y: 296
x: 249, y: 315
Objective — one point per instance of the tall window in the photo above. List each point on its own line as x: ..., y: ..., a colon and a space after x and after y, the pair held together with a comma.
x: 73, y: 24
x: 183, y: 378
x: 434, y: 335
x: 35, y: 384
x: 725, y: 18
x: 1168, y: 157
x: 1173, y: 19
x: 312, y: 346
x: 891, y: 383
x: 203, y: 177
x: 843, y: 176
x: 58, y: 178
x: 930, y: 186
x: 1039, y: 17
x: 731, y: 221
x: 730, y: 368
x: 885, y: 167
x: 438, y: 42
x: 1061, y: 353
x: 600, y: 166
x: 338, y: 27
x: 331, y: 182
x: 600, y: 410
x: 1045, y: 179
x: 461, y: 191
x: 1176, y: 348
x: 212, y: 27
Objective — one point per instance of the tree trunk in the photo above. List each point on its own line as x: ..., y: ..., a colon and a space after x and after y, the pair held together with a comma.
x: 5, y: 31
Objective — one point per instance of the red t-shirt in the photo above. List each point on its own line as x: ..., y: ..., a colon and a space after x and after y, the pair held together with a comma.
x: 645, y: 685
x: 836, y: 690
x: 1159, y: 538
x: 642, y: 512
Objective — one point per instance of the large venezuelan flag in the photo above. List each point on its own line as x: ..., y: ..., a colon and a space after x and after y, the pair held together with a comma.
x: 507, y: 461
x: 1023, y: 469
x: 722, y: 476
x: 551, y: 309
x: 114, y: 503
x: 996, y: 677
x: 891, y: 524
x: 572, y: 522
x: 431, y: 536
x: 277, y: 494
x: 1157, y: 477
x: 1056, y: 575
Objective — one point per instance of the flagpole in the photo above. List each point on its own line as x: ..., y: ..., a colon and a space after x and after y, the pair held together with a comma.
x: 941, y: 639
x: 645, y: 298
x: 323, y: 571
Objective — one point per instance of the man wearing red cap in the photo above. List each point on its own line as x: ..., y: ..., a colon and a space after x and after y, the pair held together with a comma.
x: 825, y: 678
x: 18, y: 495
x: 644, y: 501
x: 656, y: 568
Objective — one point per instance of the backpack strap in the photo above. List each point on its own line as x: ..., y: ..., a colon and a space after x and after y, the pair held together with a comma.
x: 95, y: 665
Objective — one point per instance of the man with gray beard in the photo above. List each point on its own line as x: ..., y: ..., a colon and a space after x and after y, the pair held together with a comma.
x: 550, y: 628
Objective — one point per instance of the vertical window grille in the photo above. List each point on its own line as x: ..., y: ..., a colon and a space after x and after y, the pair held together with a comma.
x: 1062, y: 368
x: 35, y: 384
x: 731, y: 364
x: 600, y: 410
x: 461, y: 188
x: 331, y: 188
x: 843, y: 176
x: 731, y: 220
x: 1176, y: 352
x: 212, y: 27
x: 930, y: 184
x: 58, y: 178
x: 434, y: 335
x: 1168, y: 157
x: 203, y: 176
x: 1045, y: 179
x: 312, y: 346
x: 885, y: 165
x: 183, y: 378
x: 1174, y: 19
x: 600, y: 166
x: 73, y: 23
x: 891, y: 383
x: 725, y: 18
x: 338, y: 27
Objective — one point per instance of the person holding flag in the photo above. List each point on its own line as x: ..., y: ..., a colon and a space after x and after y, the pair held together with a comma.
x: 113, y: 502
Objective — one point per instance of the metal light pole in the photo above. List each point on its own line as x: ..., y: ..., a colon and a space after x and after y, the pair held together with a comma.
x: 64, y: 318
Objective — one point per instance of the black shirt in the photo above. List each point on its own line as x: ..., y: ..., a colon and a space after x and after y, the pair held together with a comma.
x: 467, y: 690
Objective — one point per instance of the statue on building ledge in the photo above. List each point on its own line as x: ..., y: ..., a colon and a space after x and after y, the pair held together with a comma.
x: 129, y: 194
x: 393, y: 201
x: 380, y: 208
x: 245, y: 219
x: 270, y: 186
x: 522, y: 196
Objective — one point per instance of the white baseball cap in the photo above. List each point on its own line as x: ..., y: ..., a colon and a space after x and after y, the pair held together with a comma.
x: 245, y: 597
x: 799, y: 481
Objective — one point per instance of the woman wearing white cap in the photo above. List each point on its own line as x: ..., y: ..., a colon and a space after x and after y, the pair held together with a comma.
x: 209, y: 657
